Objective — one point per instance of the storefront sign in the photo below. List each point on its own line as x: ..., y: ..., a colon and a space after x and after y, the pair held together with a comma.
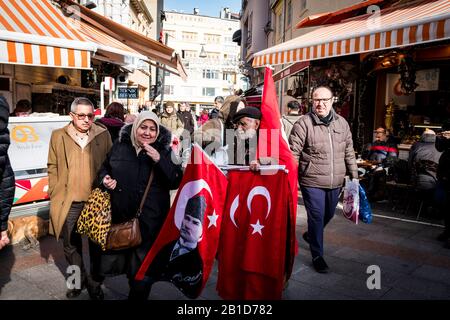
x: 30, y: 137
x: 428, y: 80
x: 128, y: 92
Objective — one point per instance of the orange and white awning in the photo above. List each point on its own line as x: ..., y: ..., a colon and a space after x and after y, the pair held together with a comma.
x: 413, y: 23
x: 35, y: 32
x: 108, y: 48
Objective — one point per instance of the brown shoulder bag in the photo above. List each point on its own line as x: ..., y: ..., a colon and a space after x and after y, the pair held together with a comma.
x: 128, y: 234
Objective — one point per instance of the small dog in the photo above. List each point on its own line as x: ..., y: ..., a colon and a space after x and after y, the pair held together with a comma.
x: 27, y: 230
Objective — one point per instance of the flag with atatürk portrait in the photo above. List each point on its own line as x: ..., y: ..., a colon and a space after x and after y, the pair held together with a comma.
x: 196, y: 210
x: 252, y: 249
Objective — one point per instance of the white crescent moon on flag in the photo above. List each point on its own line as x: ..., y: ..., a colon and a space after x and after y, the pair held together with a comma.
x: 233, y: 209
x: 189, y: 190
x: 259, y: 191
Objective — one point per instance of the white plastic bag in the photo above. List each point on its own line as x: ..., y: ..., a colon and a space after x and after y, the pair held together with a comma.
x: 351, y: 199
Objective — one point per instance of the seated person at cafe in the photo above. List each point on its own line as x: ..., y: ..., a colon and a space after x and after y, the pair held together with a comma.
x: 423, y: 163
x: 382, y: 154
x: 23, y: 109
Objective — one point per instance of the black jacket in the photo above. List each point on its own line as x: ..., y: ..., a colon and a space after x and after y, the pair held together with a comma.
x: 423, y: 162
x: 184, y: 271
x: 188, y: 120
x: 7, y: 181
x: 113, y: 125
x: 443, y: 173
x: 132, y: 172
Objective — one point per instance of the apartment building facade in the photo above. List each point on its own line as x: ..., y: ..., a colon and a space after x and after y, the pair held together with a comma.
x: 208, y: 53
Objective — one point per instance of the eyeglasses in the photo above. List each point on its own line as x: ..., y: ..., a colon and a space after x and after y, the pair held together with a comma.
x: 317, y: 101
x: 82, y: 116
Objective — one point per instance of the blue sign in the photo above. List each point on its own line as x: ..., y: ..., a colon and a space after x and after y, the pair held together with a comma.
x: 128, y: 92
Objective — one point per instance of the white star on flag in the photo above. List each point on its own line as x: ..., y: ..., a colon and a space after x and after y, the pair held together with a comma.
x: 257, y: 227
x: 213, y: 219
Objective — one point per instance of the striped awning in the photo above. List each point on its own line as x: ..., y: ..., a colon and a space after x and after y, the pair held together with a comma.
x: 399, y: 26
x: 108, y: 48
x: 35, y: 32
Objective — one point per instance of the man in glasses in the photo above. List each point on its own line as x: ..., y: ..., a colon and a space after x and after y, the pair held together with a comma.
x: 75, y: 155
x: 382, y: 153
x: 322, y: 143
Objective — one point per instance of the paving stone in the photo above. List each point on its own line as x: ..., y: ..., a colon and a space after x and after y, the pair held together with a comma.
x: 398, y: 294
x: 303, y: 291
x: 47, y: 278
x: 436, y: 274
x: 20, y: 289
x: 430, y: 289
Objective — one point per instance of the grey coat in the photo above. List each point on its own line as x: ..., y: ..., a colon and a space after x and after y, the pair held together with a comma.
x: 423, y: 162
x: 324, y: 152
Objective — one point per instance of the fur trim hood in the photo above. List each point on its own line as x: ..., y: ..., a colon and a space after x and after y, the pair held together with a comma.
x: 163, y: 141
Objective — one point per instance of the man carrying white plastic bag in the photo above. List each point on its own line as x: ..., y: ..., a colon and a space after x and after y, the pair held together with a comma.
x: 351, y: 199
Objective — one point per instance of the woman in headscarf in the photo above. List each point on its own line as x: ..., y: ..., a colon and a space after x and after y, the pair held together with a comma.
x: 142, y: 147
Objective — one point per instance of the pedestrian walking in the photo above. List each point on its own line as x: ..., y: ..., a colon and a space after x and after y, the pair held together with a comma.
x: 322, y: 143
x: 76, y: 153
x: 142, y: 148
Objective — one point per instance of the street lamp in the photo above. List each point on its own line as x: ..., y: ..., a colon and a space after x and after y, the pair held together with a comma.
x: 203, y: 52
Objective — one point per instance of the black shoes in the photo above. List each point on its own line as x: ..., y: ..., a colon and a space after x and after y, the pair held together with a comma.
x: 73, y: 293
x: 320, y: 265
x: 95, y: 291
x: 306, y: 236
x: 444, y: 236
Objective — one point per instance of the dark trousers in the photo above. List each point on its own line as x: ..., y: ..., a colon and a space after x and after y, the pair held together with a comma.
x: 72, y: 243
x: 140, y: 290
x: 320, y: 205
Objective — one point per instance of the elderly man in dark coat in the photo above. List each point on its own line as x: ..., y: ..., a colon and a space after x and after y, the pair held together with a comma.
x: 6, y: 174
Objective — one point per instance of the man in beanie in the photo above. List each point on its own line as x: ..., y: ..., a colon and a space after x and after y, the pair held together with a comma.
x: 246, y: 121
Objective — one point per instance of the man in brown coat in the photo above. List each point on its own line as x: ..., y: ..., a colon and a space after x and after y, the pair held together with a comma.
x: 322, y: 142
x: 75, y: 155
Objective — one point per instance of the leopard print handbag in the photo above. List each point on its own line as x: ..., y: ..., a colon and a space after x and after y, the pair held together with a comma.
x: 95, y: 218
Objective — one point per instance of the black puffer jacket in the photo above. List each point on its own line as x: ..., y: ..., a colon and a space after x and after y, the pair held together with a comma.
x: 443, y: 174
x: 6, y: 173
x: 132, y: 171
x: 423, y: 162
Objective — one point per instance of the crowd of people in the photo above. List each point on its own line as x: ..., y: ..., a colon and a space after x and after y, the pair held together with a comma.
x: 123, y: 153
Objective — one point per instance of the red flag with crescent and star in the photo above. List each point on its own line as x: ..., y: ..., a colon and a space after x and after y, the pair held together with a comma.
x: 272, y: 144
x: 252, y: 247
x: 201, y: 195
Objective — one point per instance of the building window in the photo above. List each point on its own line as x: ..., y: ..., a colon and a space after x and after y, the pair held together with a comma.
x: 187, y: 91
x: 212, y: 38
x: 210, y: 74
x: 302, y: 5
x: 228, y: 76
x: 168, y: 89
x: 189, y: 36
x: 289, y: 13
x: 166, y: 73
x: 209, y: 92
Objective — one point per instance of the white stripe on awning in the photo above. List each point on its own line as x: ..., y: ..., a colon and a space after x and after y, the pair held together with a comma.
x: 413, y: 23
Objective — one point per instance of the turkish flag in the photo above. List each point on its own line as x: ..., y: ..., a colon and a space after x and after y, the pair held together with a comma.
x: 252, y: 247
x: 201, y: 195
x: 272, y: 144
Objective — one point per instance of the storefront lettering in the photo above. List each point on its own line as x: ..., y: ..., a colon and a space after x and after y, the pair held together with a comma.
x: 24, y: 133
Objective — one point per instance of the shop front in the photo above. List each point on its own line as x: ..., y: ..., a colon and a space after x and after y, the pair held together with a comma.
x: 49, y: 56
x: 373, y: 63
